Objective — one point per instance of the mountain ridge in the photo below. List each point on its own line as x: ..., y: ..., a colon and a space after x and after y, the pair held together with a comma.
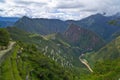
x: 41, y: 25
x: 97, y: 23
x: 83, y: 38
x: 7, y: 21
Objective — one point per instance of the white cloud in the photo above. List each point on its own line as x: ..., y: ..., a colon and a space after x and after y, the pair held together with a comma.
x: 62, y: 9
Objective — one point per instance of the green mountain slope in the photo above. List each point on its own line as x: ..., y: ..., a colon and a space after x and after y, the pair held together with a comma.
x: 41, y: 26
x: 109, y: 52
x: 104, y: 70
x: 115, y: 22
x: 60, y: 52
x: 105, y: 62
x: 65, y: 55
x: 78, y: 37
x: 27, y: 63
x: 99, y: 24
x: 116, y: 34
x: 4, y: 37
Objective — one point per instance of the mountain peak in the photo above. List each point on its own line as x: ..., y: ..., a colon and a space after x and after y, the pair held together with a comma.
x: 25, y: 17
x: 98, y: 15
x: 117, y: 14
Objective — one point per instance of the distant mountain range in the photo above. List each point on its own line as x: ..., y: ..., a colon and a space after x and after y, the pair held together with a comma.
x: 42, y: 42
x: 41, y: 26
x: 7, y: 21
x: 97, y: 23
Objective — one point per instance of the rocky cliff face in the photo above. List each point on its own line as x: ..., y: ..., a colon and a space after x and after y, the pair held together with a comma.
x: 82, y: 38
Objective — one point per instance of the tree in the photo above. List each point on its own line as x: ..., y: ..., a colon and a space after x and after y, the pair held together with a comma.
x: 4, y: 37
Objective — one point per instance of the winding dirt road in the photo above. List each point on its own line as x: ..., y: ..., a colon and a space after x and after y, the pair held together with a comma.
x: 84, y: 61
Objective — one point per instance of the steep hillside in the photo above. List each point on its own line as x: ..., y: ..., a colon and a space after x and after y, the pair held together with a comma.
x: 104, y: 70
x: 109, y: 52
x: 27, y: 63
x: 115, y: 22
x: 105, y: 62
x: 41, y: 26
x: 116, y: 34
x: 98, y: 23
x: 65, y: 55
x: 83, y: 38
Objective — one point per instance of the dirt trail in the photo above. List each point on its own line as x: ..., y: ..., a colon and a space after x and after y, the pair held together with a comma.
x: 4, y: 52
x: 84, y: 61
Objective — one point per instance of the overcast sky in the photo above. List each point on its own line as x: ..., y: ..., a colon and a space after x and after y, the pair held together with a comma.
x: 61, y: 9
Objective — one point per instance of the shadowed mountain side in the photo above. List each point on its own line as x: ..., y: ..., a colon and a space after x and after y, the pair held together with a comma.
x: 40, y: 25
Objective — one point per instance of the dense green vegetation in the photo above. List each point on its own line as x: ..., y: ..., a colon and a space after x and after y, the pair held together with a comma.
x: 26, y: 62
x: 97, y: 23
x: 4, y: 37
x: 115, y: 22
x: 40, y: 25
x: 56, y: 49
x: 104, y: 70
x: 105, y: 62
x: 100, y: 24
x: 61, y: 52
x: 58, y: 56
x: 109, y: 52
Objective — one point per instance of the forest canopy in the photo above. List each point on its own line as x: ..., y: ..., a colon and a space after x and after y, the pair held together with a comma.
x: 4, y: 37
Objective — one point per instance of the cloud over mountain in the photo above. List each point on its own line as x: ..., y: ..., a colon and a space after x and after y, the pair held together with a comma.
x: 69, y: 9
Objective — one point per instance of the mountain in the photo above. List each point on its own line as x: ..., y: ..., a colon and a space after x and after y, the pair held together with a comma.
x: 41, y: 26
x: 98, y: 24
x: 51, y: 49
x: 105, y: 62
x: 117, y: 14
x: 109, y: 52
x: 42, y: 56
x: 78, y: 37
x: 83, y: 38
x: 115, y: 22
x: 63, y: 54
x: 7, y: 21
x: 26, y: 62
x: 10, y: 19
x: 116, y: 34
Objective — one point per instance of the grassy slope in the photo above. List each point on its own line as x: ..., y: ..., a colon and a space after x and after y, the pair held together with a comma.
x: 9, y: 67
x: 104, y: 70
x: 103, y: 66
x: 105, y: 62
x: 110, y: 51
x: 27, y: 61
x: 57, y: 50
